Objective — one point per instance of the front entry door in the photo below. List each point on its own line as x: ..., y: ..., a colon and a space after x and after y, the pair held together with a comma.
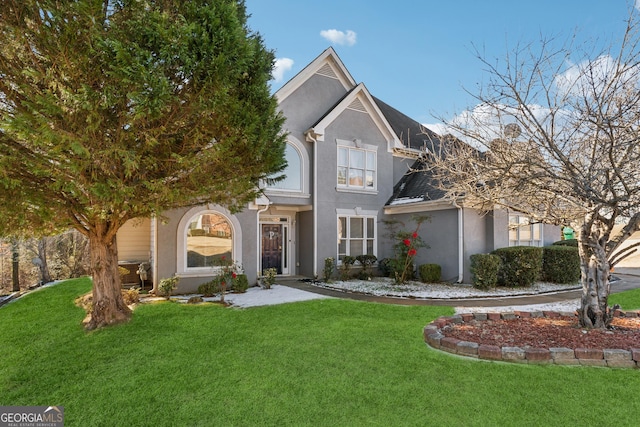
x: 272, y: 247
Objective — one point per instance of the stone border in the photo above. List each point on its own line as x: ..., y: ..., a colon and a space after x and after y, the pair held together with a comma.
x: 613, y: 358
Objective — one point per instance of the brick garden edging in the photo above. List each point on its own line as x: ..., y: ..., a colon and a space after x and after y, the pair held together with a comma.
x: 614, y: 358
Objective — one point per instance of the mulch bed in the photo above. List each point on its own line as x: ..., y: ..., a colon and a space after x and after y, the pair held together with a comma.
x: 563, y: 331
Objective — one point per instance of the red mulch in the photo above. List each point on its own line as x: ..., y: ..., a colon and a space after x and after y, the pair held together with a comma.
x: 547, y: 333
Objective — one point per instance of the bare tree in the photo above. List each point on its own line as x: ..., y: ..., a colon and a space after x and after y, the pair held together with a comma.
x: 557, y: 139
x: 39, y: 248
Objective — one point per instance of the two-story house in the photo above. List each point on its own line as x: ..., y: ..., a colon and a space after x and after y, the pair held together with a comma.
x: 348, y: 155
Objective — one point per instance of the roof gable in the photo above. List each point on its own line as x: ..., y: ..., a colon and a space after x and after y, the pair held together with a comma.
x: 358, y: 99
x: 327, y: 64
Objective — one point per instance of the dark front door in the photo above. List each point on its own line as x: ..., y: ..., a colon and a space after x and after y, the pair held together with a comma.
x: 272, y: 247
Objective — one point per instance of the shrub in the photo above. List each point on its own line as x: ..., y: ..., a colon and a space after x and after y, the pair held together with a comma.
x: 241, y: 283
x: 329, y: 266
x: 122, y: 271
x: 166, y: 286
x: 570, y: 242
x: 131, y: 296
x: 521, y: 265
x: 430, y: 273
x: 366, y: 261
x: 227, y: 274
x: 385, y: 266
x: 210, y: 288
x: 345, y: 267
x: 484, y: 270
x: 268, y: 277
x: 561, y: 264
x: 405, y: 249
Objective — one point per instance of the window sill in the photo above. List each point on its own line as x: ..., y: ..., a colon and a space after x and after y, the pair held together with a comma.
x: 203, y: 272
x: 285, y: 193
x: 356, y: 190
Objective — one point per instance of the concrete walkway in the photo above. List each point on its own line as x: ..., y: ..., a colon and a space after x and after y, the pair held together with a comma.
x: 629, y: 279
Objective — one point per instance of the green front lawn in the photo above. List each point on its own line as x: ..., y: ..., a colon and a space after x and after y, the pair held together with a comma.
x: 323, y: 362
x: 628, y: 300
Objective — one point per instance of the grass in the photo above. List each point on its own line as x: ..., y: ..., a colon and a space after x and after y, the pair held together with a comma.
x: 628, y: 300
x: 323, y: 362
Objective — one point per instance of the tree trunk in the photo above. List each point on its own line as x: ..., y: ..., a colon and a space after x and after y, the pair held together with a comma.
x: 15, y: 269
x: 45, y: 276
x: 108, y: 305
x: 594, y: 265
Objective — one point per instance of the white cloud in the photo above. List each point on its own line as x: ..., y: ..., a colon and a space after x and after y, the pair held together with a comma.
x: 579, y: 79
x: 485, y: 123
x: 340, y: 37
x: 638, y: 4
x: 281, y: 66
x: 604, y: 78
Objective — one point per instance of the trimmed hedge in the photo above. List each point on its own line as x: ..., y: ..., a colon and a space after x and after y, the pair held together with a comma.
x: 430, y: 273
x: 521, y: 265
x: 484, y: 270
x: 561, y: 264
x: 570, y: 242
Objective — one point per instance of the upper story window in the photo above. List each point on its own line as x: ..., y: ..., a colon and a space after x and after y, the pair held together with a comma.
x: 357, y: 167
x: 522, y: 232
x: 293, y: 172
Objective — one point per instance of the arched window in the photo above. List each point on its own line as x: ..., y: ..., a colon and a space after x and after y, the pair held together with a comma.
x: 209, y: 240
x: 293, y: 172
x: 205, y: 235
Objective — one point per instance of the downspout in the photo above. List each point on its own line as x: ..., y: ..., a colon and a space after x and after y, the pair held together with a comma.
x: 312, y: 136
x: 315, y: 209
x: 154, y: 270
x: 460, y: 242
x: 258, y: 242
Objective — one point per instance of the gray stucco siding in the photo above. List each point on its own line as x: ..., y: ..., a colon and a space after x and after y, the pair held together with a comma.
x: 348, y: 126
x: 310, y: 102
x: 305, y: 242
x: 440, y: 233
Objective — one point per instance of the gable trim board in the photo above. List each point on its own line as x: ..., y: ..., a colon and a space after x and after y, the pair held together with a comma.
x: 362, y: 99
x: 327, y: 64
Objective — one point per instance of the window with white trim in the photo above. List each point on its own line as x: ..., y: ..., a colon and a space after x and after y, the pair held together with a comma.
x: 522, y: 232
x: 356, y: 235
x: 209, y: 240
x: 356, y: 168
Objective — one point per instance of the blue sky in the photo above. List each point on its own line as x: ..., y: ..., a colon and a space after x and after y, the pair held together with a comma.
x: 417, y: 55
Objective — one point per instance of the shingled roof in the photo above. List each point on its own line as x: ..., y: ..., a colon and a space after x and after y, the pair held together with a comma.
x: 417, y: 185
x: 412, y: 134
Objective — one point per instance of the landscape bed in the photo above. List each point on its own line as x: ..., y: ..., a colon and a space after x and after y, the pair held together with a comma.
x: 538, y: 337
